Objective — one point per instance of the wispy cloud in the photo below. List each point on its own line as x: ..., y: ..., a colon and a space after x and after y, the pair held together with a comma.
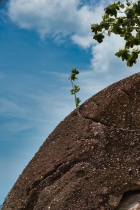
x: 103, y: 54
x: 32, y: 106
x: 59, y: 19
x: 8, y: 106
x: 56, y: 18
x: 62, y: 19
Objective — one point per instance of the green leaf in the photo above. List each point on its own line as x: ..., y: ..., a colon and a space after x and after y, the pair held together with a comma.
x: 77, y: 102
x: 136, y: 41
x: 120, y: 20
x: 105, y: 16
x: 99, y: 37
x: 118, y: 54
x: 124, y: 25
x: 76, y: 88
x: 72, y: 91
x: 118, y: 3
x: 122, y: 6
x: 124, y: 54
x: 129, y: 44
x: 122, y: 34
x: 116, y: 29
x: 74, y: 72
x: 129, y: 13
x: 110, y: 20
x: 128, y: 4
x: 129, y: 63
x: 127, y: 36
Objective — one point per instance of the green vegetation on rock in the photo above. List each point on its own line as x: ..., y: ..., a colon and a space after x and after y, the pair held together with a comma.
x: 75, y: 89
x: 120, y: 19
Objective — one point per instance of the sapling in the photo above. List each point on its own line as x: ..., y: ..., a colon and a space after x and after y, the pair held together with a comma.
x: 75, y: 89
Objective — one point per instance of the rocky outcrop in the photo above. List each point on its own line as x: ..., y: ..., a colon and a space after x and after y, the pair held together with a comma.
x: 90, y: 161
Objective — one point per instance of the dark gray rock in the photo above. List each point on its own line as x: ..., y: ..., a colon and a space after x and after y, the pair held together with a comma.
x: 90, y: 160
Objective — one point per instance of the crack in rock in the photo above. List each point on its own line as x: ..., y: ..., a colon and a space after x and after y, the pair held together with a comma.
x: 49, y: 178
x: 112, y: 127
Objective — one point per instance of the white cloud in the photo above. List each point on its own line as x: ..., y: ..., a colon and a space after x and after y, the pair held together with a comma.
x: 65, y: 18
x: 103, y: 54
x: 56, y: 18
x: 82, y: 41
x: 104, y: 59
x: 59, y: 19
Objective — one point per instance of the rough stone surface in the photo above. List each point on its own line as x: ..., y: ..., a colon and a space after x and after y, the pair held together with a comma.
x: 89, y: 161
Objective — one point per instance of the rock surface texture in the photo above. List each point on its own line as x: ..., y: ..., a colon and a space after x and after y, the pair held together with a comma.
x: 89, y: 162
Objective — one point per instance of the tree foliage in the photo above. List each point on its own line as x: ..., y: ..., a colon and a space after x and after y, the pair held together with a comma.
x: 123, y: 20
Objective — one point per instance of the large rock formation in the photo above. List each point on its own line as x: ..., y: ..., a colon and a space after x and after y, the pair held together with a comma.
x: 90, y: 161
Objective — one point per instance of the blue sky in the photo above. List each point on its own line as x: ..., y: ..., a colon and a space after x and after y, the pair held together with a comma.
x: 40, y: 42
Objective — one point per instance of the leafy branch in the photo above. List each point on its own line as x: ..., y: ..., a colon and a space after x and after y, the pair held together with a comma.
x: 75, y: 89
x: 123, y: 26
